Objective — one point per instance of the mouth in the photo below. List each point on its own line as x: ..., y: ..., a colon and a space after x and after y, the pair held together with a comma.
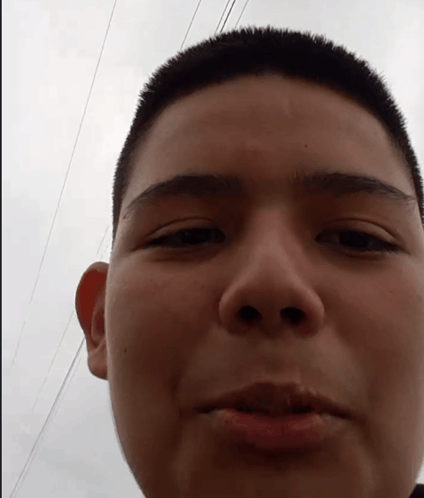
x: 275, y: 418
x: 294, y: 410
x: 275, y: 400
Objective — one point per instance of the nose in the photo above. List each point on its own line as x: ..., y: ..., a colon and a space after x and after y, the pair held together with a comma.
x: 270, y: 290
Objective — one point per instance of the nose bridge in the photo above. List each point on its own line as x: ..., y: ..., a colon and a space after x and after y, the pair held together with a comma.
x: 271, y: 243
x: 270, y: 285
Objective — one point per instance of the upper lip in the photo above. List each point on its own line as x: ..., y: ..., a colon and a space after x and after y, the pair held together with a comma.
x: 275, y: 398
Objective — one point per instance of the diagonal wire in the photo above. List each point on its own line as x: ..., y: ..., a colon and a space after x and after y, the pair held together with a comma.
x: 63, y: 188
x: 51, y: 364
x: 104, y: 235
x: 61, y: 339
x: 72, y: 368
x: 65, y: 384
x: 238, y: 20
x: 222, y: 15
x: 191, y: 22
x: 100, y: 245
x: 62, y: 389
x: 228, y: 15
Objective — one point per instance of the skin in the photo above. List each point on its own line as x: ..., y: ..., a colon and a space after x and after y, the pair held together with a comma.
x: 163, y: 325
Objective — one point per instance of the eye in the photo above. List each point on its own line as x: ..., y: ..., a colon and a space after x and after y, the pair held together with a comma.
x: 350, y: 239
x: 190, y: 237
x: 360, y: 241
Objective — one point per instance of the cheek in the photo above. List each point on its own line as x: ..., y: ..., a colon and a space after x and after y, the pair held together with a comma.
x: 152, y: 318
x: 154, y: 323
x: 385, y: 332
x: 381, y: 320
x: 396, y: 344
x: 153, y: 326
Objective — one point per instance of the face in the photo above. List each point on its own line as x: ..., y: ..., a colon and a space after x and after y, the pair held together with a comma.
x: 209, y: 292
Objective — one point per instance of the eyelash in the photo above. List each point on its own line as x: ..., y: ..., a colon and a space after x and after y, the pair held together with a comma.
x: 166, y: 241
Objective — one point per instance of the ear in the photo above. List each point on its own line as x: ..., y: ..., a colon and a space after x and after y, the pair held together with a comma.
x: 90, y: 307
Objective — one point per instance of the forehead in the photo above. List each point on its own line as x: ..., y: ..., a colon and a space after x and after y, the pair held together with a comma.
x: 257, y: 126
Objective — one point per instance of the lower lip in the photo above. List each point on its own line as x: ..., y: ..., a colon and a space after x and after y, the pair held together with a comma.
x: 266, y: 433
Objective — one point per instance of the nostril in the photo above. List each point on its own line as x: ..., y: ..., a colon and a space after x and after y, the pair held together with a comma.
x: 293, y: 315
x: 249, y: 314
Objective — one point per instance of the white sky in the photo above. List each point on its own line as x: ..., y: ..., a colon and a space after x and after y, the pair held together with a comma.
x: 50, y: 53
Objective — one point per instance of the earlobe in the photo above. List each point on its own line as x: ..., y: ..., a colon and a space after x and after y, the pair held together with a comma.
x: 90, y: 307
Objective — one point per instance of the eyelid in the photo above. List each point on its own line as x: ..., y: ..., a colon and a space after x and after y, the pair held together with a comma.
x: 369, y: 227
x: 387, y: 245
x: 383, y: 246
x: 194, y: 223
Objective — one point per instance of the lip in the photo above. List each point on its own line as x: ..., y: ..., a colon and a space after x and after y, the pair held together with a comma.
x: 278, y: 397
x: 273, y: 435
x: 280, y: 430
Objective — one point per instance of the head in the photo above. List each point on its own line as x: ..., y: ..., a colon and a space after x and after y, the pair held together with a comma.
x: 267, y: 226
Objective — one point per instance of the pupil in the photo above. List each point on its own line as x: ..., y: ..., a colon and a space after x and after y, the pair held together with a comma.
x: 301, y: 409
x: 354, y: 238
x: 198, y: 236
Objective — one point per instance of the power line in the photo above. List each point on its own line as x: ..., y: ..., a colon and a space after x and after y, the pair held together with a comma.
x: 238, y: 20
x: 63, y: 188
x: 222, y: 15
x: 228, y: 15
x: 72, y: 313
x: 103, y: 238
x: 191, y: 22
x: 51, y: 365
x: 65, y: 384
x: 72, y: 369
x: 63, y: 336
x: 62, y: 389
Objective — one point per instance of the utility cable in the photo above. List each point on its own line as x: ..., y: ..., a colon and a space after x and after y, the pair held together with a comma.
x: 65, y: 384
x: 61, y: 339
x: 238, y: 20
x: 228, y: 15
x: 222, y: 15
x: 72, y: 368
x: 62, y: 389
x: 63, y: 188
x: 189, y: 26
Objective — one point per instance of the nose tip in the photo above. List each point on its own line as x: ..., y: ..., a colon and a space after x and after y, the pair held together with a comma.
x: 290, y: 315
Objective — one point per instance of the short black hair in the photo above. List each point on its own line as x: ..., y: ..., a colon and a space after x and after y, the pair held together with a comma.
x: 261, y: 51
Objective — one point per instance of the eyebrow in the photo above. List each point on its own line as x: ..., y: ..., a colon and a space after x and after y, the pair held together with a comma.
x: 307, y: 183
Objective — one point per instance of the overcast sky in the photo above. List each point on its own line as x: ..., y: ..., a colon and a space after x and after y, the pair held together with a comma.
x: 52, y: 53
